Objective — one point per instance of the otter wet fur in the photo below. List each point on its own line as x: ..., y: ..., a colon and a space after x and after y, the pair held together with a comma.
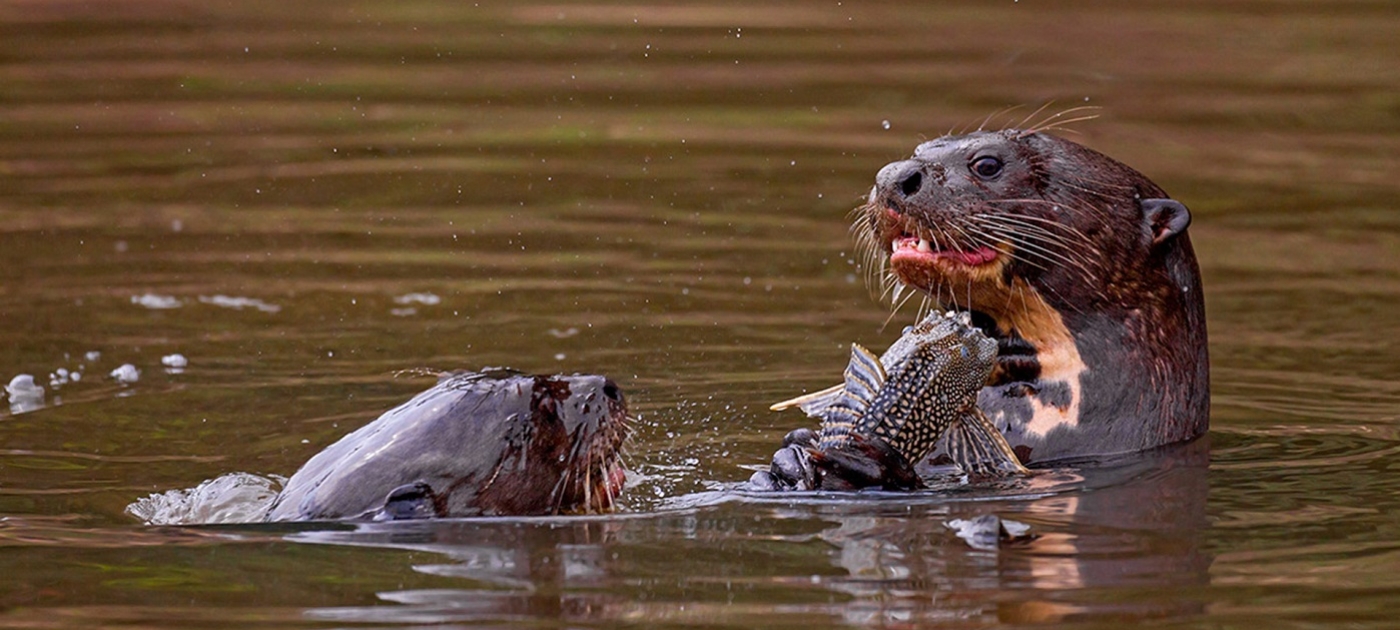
x: 1077, y: 265
x: 491, y: 443
x: 892, y: 410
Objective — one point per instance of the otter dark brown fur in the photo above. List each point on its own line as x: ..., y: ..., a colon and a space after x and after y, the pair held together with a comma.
x: 1079, y: 266
x: 491, y: 443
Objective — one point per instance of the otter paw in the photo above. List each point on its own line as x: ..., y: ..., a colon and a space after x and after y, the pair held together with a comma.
x: 800, y: 437
x: 791, y: 467
x: 863, y: 462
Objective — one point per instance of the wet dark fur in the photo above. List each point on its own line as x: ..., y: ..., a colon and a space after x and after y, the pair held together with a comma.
x: 1087, y: 236
x: 497, y: 442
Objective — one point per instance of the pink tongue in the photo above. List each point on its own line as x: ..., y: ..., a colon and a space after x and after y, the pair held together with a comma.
x: 979, y: 256
x: 617, y: 478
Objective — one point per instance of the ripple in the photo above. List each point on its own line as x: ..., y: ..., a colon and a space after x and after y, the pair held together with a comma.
x: 239, y: 303
x: 1303, y: 446
x: 157, y: 302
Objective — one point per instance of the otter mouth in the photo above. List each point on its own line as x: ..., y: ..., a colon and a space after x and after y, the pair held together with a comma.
x: 927, y: 257
x: 596, y: 489
x: 598, y: 474
x: 915, y: 249
x: 911, y: 243
x: 611, y: 479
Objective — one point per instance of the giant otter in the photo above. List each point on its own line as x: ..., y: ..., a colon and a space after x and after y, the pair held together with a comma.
x: 490, y: 443
x: 1077, y: 265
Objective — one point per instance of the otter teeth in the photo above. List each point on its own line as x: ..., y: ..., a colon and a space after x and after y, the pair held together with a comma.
x: 921, y: 246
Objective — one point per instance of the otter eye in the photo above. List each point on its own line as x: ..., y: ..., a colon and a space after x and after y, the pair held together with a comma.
x: 986, y: 167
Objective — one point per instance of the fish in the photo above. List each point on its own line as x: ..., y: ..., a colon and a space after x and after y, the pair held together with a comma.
x: 892, y: 411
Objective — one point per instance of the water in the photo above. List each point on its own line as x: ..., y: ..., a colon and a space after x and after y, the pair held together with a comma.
x: 304, y: 199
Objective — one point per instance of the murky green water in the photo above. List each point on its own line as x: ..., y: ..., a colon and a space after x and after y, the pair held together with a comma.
x: 302, y: 199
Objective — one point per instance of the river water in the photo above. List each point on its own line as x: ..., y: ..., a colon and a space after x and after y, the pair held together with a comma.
x: 302, y: 200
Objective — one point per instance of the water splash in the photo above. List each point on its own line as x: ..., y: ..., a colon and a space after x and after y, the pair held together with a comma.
x: 25, y: 394
x: 230, y: 498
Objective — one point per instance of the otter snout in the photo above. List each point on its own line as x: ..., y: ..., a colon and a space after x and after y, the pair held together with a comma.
x: 907, y: 180
x: 900, y: 180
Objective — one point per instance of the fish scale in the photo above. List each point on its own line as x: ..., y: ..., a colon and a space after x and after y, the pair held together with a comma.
x: 922, y: 388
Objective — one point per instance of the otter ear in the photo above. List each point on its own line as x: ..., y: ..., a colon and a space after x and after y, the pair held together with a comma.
x: 1165, y: 218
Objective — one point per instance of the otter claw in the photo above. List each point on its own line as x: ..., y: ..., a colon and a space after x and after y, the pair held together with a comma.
x: 792, y: 465
x: 800, y: 437
x: 791, y: 468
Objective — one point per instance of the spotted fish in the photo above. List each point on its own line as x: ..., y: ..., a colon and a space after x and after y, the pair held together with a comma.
x: 922, y: 389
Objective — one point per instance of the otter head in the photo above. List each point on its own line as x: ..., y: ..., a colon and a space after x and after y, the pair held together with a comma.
x: 556, y: 453
x: 490, y: 443
x: 1077, y: 264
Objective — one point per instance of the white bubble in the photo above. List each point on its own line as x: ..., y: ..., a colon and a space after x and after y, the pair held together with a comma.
x: 60, y: 377
x: 23, y: 385
x: 126, y: 374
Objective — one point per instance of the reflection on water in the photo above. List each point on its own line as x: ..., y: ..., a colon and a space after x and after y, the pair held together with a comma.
x: 890, y: 560
x: 302, y: 200
x: 504, y: 570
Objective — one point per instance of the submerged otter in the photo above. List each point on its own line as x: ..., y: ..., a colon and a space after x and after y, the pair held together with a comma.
x: 489, y: 443
x: 1077, y: 265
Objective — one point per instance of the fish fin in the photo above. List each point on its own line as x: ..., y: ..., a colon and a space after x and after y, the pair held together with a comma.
x: 978, y: 448
x: 839, y: 424
x: 865, y: 375
x: 812, y: 403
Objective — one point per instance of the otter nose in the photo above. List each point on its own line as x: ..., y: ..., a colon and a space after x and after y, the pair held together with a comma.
x: 903, y: 179
x: 611, y: 390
